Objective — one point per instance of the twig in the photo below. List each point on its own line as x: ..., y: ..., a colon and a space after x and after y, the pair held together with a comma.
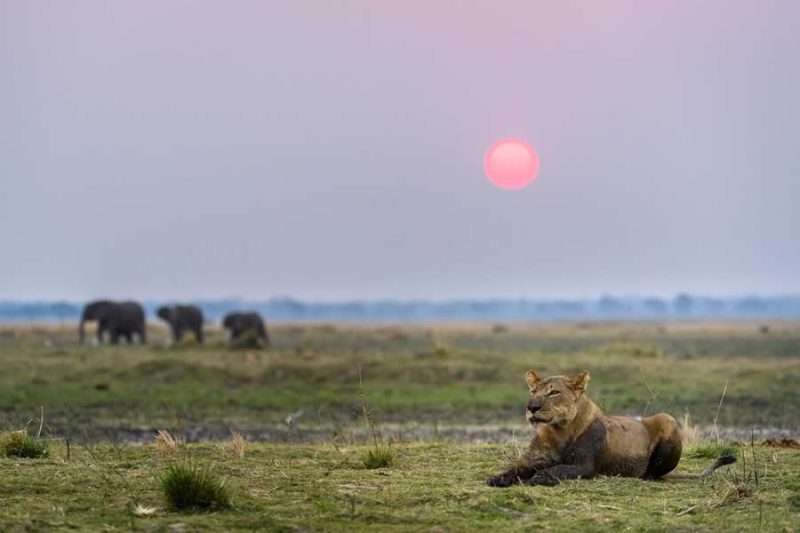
x: 719, y: 407
x: 652, y: 394
x: 41, y: 422
x: 687, y: 511
x: 365, y: 409
x: 753, y: 450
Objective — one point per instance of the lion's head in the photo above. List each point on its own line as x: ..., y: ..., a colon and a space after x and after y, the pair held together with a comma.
x: 554, y: 400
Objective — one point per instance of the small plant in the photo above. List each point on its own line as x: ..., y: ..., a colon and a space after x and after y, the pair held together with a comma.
x: 166, y: 444
x: 186, y: 343
x: 712, y: 450
x: 442, y: 350
x: 794, y: 501
x: 20, y: 444
x: 249, y: 340
x: 236, y: 446
x: 189, y: 487
x: 379, y: 457
x: 631, y: 349
x: 437, y: 351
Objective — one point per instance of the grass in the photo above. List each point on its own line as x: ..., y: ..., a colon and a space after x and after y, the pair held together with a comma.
x: 21, y: 445
x: 427, y: 385
x: 249, y: 340
x: 314, y: 368
x: 235, y: 447
x: 280, y: 487
x: 712, y: 450
x: 166, y: 444
x: 378, y: 457
x: 190, y: 487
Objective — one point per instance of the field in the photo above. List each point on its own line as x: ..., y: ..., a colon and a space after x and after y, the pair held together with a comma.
x: 447, y: 400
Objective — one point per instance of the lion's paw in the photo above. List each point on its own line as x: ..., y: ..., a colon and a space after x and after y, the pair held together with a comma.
x: 500, y: 481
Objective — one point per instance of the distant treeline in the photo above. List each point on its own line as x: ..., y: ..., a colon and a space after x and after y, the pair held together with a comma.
x: 683, y: 306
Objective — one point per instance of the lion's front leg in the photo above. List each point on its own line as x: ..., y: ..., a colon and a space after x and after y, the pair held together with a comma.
x: 556, y: 474
x: 515, y: 474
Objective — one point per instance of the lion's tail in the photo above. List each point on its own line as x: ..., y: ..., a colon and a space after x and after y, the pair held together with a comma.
x: 721, y: 461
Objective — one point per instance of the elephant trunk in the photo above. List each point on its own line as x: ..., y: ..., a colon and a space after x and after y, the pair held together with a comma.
x: 80, y: 331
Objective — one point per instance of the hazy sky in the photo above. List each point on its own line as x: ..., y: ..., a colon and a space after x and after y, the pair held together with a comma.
x: 334, y: 149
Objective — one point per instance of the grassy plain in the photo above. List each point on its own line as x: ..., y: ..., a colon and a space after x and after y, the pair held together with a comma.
x: 437, y: 393
x: 416, y: 377
x: 430, y: 487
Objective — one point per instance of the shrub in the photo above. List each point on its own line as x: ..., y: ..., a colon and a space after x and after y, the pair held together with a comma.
x: 189, y: 487
x: 20, y: 444
x: 379, y: 457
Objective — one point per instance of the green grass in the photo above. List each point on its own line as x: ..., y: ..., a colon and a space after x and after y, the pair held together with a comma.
x: 712, y: 450
x: 21, y: 445
x: 249, y: 340
x: 417, y: 379
x: 378, y: 457
x: 455, y: 374
x: 191, y: 487
x: 322, y: 487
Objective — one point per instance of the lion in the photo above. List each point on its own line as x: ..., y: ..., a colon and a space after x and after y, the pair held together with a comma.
x: 572, y: 439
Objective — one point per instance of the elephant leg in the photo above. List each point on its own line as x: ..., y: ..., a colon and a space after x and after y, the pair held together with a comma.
x: 114, y: 337
x: 178, y: 334
x: 129, y: 337
x: 198, y: 334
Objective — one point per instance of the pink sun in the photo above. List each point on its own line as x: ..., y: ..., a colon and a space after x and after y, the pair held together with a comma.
x: 511, y: 164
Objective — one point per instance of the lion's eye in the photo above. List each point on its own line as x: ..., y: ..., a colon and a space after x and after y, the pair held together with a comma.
x: 554, y: 392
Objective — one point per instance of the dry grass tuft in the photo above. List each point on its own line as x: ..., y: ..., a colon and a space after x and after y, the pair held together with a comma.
x: 690, y: 435
x: 143, y: 510
x: 166, y: 444
x: 731, y: 493
x: 235, y: 447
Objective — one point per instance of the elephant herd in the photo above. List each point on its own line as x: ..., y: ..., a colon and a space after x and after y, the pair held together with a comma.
x: 123, y: 320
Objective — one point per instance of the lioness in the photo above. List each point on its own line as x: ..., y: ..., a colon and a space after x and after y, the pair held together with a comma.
x: 572, y: 438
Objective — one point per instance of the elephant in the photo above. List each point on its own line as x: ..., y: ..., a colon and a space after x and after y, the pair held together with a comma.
x: 240, y: 322
x: 119, y: 319
x: 182, y: 318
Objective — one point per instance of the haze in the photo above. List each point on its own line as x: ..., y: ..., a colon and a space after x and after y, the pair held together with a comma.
x: 331, y: 150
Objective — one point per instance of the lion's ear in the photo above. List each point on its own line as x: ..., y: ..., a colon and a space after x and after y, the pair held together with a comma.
x: 531, y: 378
x: 581, y: 381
